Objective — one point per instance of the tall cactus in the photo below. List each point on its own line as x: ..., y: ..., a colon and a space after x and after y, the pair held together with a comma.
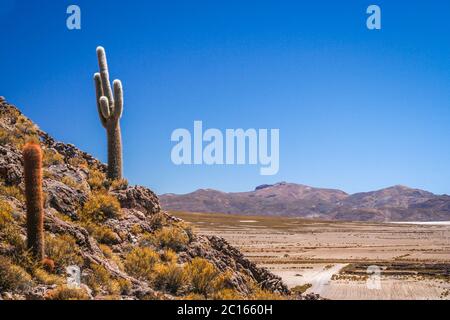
x: 32, y: 157
x: 110, y: 107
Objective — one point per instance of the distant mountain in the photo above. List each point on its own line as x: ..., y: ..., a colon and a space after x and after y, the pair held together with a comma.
x: 397, y: 203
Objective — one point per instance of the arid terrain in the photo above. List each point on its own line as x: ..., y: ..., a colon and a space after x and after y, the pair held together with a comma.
x: 341, y: 260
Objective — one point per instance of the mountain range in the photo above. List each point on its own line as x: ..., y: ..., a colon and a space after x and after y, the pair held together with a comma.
x: 396, y: 203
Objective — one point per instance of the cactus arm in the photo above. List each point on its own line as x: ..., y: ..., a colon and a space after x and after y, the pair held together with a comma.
x: 104, y: 73
x: 99, y: 94
x: 104, y: 107
x: 118, y: 98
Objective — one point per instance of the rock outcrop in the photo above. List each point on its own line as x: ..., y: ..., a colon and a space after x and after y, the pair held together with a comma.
x: 103, y: 246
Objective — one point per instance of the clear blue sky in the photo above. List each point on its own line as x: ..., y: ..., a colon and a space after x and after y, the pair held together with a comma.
x: 357, y: 109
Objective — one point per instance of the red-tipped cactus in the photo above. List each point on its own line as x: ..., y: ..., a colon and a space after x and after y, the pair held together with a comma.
x: 32, y: 157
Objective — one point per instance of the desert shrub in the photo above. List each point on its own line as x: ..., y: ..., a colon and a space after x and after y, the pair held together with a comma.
x: 100, y: 207
x: 63, y: 292
x: 12, y: 191
x: 171, y: 237
x: 169, y: 256
x: 111, y: 256
x: 78, y: 162
x: 44, y: 277
x: 5, y: 214
x: 118, y: 184
x: 227, y: 294
x: 158, y: 220
x: 5, y: 136
x: 136, y: 229
x: 97, y: 179
x: 300, y: 289
x: 13, y: 277
x: 187, y: 228
x: 100, y: 279
x: 70, y: 182
x: 201, y: 274
x: 101, y: 233
x: 63, y: 250
x: 140, y: 262
x: 52, y: 157
x: 169, y: 277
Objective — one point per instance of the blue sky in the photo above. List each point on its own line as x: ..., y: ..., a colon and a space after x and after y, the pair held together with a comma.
x: 357, y: 109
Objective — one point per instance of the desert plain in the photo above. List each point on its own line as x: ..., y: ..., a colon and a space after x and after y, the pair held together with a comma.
x: 341, y: 260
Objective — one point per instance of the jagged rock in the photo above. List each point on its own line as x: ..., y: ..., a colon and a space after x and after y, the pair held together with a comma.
x: 140, y: 211
x: 139, y: 198
x: 10, y: 165
x: 64, y: 198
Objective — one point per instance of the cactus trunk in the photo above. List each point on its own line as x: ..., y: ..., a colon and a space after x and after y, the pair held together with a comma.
x: 110, y: 107
x: 32, y: 156
x: 114, y: 151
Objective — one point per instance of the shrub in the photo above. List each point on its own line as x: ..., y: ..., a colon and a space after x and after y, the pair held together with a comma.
x: 301, y: 288
x: 100, y: 207
x: 12, y: 191
x: 65, y: 293
x: 52, y: 157
x: 158, y: 220
x: 171, y: 237
x: 118, y: 184
x: 169, y: 256
x: 44, y: 277
x: 70, y: 182
x: 97, y: 179
x: 201, y: 275
x: 170, y: 277
x: 227, y: 294
x: 78, y: 162
x: 13, y: 277
x: 102, y: 234
x: 101, y: 279
x: 5, y: 214
x: 140, y: 262
x: 63, y: 250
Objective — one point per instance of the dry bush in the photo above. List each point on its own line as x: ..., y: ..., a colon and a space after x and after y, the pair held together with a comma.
x: 44, y: 277
x: 169, y: 256
x: 13, y: 277
x: 100, y: 279
x: 171, y: 237
x: 227, y: 294
x: 170, y: 277
x: 52, y: 157
x: 97, y: 180
x: 65, y: 293
x: 78, y: 162
x: 63, y: 250
x: 70, y: 182
x: 201, y: 273
x: 101, y: 233
x: 5, y: 214
x: 12, y: 191
x: 118, y: 184
x: 140, y: 262
x: 100, y: 207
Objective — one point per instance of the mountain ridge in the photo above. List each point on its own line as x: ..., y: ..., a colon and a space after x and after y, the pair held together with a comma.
x: 394, y: 203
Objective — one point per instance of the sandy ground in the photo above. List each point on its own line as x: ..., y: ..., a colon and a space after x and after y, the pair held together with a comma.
x: 311, y: 252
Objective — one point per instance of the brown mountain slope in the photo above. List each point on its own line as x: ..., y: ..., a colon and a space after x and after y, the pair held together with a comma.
x: 397, y: 203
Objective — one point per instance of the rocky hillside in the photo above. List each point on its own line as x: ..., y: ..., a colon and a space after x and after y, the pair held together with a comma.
x: 117, y: 234
x: 397, y: 203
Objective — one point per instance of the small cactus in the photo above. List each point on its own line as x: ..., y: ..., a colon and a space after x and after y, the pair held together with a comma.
x: 110, y: 107
x: 32, y: 157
